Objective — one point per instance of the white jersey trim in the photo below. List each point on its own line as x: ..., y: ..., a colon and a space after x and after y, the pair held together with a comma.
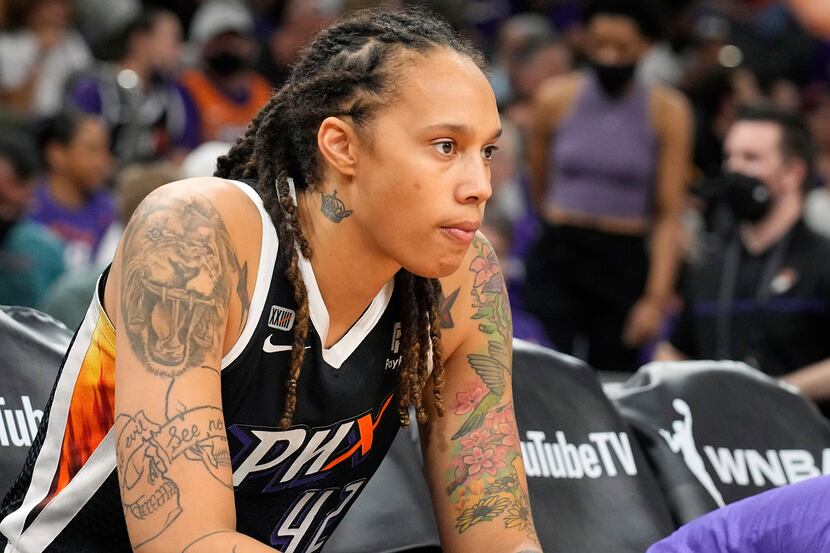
x: 265, y: 272
x: 69, y: 502
x: 337, y: 354
x: 46, y: 465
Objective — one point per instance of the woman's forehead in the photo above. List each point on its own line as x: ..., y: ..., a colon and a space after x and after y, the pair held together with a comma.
x: 443, y: 82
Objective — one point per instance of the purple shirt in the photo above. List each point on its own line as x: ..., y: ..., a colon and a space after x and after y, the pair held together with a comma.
x: 81, y: 230
x: 789, y: 519
x: 604, y: 155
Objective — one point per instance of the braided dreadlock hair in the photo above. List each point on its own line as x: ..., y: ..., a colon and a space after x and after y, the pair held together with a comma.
x: 348, y: 70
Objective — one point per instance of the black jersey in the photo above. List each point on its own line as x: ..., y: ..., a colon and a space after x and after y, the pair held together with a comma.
x: 291, y: 487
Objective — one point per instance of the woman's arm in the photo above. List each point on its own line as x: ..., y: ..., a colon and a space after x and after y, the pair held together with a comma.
x: 673, y: 123
x: 550, y: 103
x: 473, y: 460
x: 176, y: 274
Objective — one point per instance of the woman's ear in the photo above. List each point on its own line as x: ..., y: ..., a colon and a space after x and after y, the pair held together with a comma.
x: 337, y: 141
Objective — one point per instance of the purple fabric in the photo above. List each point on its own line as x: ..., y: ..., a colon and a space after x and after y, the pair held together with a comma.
x: 790, y: 519
x: 81, y: 230
x: 604, y: 155
x: 86, y: 96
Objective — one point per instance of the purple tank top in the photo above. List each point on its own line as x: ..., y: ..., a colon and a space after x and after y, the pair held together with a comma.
x: 604, y: 155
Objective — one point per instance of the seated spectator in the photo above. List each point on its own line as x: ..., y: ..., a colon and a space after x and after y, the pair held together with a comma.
x: 148, y: 113
x: 68, y: 298
x: 38, y: 58
x: 30, y: 256
x: 72, y: 199
x: 762, y: 293
x: 227, y: 91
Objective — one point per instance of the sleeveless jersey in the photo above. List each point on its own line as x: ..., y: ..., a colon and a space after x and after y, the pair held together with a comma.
x: 291, y: 487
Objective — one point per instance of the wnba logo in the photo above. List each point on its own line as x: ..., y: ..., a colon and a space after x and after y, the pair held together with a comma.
x: 281, y: 318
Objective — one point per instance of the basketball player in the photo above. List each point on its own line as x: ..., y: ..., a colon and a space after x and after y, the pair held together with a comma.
x: 253, y: 348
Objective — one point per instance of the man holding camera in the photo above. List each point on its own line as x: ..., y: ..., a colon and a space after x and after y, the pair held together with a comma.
x: 761, y: 293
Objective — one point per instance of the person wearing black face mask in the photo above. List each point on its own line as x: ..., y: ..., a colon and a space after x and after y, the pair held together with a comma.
x: 148, y: 112
x: 761, y: 293
x: 31, y: 258
x: 613, y: 78
x: 227, y: 91
x: 609, y: 160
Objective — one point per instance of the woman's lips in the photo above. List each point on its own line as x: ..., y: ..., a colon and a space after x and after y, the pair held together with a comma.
x: 461, y: 234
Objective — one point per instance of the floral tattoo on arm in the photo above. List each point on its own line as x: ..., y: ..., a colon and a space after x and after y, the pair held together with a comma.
x: 484, y: 481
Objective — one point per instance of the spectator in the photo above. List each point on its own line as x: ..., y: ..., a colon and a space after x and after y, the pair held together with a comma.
x: 533, y: 64
x: 38, y: 58
x: 717, y: 95
x: 68, y: 298
x: 609, y: 159
x: 148, y: 113
x: 227, y: 92
x: 72, y: 199
x: 761, y: 294
x: 30, y: 256
x: 299, y: 21
x: 516, y: 33
x: 817, y: 201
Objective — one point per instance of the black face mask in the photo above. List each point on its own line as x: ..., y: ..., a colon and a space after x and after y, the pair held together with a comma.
x: 226, y: 63
x: 747, y: 197
x: 614, y: 78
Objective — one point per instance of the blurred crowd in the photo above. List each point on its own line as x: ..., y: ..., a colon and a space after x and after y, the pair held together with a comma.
x: 614, y: 184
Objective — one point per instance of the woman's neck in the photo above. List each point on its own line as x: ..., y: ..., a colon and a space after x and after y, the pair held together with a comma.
x: 349, y: 267
x: 65, y: 193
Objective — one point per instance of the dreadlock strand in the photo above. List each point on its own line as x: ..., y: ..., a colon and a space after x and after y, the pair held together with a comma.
x: 437, y: 346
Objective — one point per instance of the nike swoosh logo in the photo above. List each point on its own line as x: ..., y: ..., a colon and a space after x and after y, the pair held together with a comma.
x: 268, y: 347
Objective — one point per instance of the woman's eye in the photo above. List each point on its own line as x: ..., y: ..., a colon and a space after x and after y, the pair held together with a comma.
x: 445, y: 147
x: 488, y: 152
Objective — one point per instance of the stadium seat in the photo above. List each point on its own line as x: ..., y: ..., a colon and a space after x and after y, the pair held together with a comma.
x: 591, y: 488
x: 33, y: 345
x: 719, y: 431
x: 395, y: 505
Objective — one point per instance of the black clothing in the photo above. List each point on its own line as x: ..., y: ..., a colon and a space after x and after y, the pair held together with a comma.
x: 292, y: 487
x: 581, y: 284
x: 772, y: 310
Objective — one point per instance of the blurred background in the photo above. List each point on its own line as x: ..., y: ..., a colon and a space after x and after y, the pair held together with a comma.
x: 101, y: 101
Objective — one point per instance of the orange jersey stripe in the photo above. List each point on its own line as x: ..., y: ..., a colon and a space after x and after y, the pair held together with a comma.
x: 92, y: 407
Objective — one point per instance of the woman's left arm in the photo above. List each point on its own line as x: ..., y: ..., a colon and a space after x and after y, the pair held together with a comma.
x: 672, y: 120
x: 472, y: 455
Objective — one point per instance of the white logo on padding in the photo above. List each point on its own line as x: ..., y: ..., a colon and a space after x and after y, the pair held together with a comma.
x: 605, y: 454
x: 683, y: 442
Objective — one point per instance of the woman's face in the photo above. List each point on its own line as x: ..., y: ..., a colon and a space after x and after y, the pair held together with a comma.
x: 422, y: 175
x: 614, y: 40
x: 86, y: 160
